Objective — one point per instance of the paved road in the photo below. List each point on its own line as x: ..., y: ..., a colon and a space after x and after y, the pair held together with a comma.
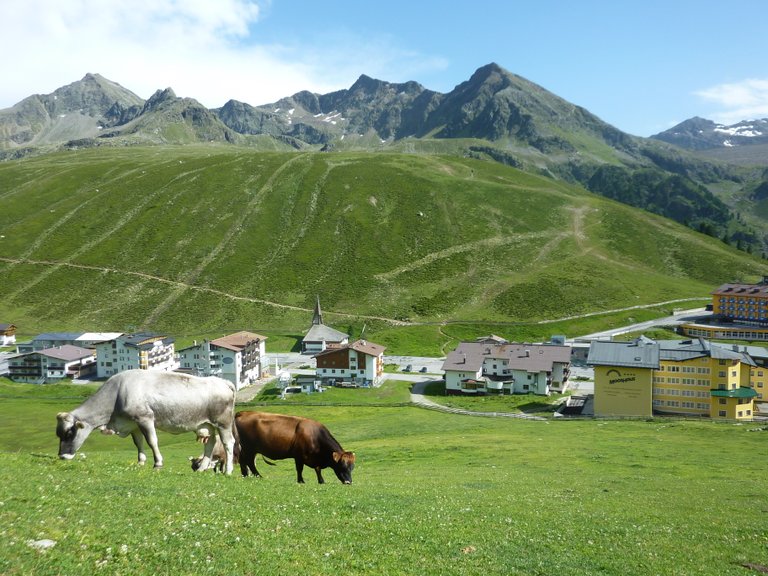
x: 693, y: 315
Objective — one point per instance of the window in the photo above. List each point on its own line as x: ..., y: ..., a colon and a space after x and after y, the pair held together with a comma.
x: 721, y: 413
x: 722, y: 400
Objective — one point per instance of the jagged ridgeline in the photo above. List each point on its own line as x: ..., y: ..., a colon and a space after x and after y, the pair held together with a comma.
x: 201, y: 239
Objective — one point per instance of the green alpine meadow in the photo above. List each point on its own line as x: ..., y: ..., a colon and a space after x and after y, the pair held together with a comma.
x: 203, y: 240
x: 432, y: 493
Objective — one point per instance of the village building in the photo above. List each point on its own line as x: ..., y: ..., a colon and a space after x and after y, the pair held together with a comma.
x: 239, y: 358
x: 54, y: 339
x: 319, y: 336
x: 360, y: 363
x: 7, y: 334
x: 143, y: 351
x: 739, y: 312
x: 52, y: 364
x: 686, y: 377
x: 494, y: 365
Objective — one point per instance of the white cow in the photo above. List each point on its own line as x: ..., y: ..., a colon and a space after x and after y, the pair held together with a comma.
x: 136, y: 402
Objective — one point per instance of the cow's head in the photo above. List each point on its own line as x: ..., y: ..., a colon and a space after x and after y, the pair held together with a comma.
x: 72, y: 433
x: 343, y: 464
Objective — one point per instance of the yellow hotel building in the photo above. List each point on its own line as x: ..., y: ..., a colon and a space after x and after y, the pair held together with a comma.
x: 685, y: 377
x: 740, y: 312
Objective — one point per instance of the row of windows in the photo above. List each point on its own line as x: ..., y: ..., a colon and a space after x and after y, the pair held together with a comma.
x: 727, y: 334
x: 685, y: 369
x: 675, y: 392
x: 678, y: 404
x: 685, y: 381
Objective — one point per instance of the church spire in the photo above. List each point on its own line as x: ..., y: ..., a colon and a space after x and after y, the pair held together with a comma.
x: 318, y: 317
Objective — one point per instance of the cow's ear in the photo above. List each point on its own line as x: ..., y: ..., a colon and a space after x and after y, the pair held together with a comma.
x: 79, y: 424
x: 62, y: 415
x: 337, y: 456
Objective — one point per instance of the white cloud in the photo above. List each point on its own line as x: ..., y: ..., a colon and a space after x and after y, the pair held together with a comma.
x: 738, y: 101
x: 204, y: 49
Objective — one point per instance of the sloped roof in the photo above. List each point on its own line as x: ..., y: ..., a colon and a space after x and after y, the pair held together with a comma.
x: 58, y: 336
x: 742, y: 290
x: 362, y: 346
x: 321, y: 332
x: 145, y: 339
x: 469, y: 356
x: 99, y: 336
x: 67, y: 352
x: 367, y: 347
x: 741, y: 392
x: 638, y: 354
x: 646, y: 353
x: 237, y: 341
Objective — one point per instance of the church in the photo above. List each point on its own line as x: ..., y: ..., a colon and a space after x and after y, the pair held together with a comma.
x: 319, y: 336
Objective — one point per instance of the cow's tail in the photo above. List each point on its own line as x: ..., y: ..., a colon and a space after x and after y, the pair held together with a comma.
x: 267, y: 461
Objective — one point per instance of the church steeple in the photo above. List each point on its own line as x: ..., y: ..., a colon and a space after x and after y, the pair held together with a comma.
x: 317, y: 319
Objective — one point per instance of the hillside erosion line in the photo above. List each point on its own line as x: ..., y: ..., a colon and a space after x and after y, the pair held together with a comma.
x: 392, y: 321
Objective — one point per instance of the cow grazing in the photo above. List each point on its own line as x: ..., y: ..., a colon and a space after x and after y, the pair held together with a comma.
x: 276, y: 436
x: 137, y: 402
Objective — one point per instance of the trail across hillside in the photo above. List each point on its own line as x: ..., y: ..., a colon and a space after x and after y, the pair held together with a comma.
x: 392, y: 321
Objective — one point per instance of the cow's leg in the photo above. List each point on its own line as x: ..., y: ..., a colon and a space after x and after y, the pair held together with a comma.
x: 228, y: 439
x: 248, y: 462
x: 150, y: 435
x: 299, y: 471
x: 138, y: 440
x: 205, y: 459
x: 319, y: 475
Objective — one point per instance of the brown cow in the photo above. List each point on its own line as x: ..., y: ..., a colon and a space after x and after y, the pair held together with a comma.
x: 276, y: 437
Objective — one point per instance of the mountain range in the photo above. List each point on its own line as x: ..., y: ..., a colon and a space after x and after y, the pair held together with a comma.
x: 418, y: 217
x: 494, y: 115
x: 701, y: 134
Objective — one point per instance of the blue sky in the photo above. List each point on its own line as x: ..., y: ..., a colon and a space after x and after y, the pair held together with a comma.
x: 642, y: 66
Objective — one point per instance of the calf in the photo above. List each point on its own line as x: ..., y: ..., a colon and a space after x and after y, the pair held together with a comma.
x: 218, y: 457
x: 277, y: 437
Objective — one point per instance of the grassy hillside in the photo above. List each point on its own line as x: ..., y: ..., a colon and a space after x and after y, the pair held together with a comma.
x: 205, y: 240
x: 433, y: 493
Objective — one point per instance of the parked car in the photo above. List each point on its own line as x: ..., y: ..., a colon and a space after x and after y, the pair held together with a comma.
x: 423, y: 369
x: 408, y: 368
x: 291, y: 390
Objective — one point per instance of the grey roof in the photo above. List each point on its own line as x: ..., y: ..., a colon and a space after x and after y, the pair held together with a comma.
x: 321, y: 332
x: 145, y: 340
x: 637, y: 353
x: 646, y: 353
x: 469, y: 356
x: 67, y: 352
x: 58, y: 336
x: 760, y: 289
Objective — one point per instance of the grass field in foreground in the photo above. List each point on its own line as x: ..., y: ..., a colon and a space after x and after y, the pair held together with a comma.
x: 433, y: 493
